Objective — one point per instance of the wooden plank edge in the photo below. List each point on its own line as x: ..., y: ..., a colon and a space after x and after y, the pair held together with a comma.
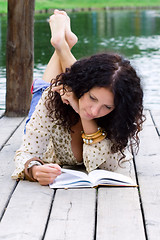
x: 10, y: 135
x: 8, y: 200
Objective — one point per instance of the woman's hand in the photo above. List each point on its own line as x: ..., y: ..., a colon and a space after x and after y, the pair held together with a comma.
x: 67, y: 96
x: 46, y: 174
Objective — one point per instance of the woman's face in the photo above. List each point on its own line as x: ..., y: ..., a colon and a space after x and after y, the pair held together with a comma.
x: 96, y: 103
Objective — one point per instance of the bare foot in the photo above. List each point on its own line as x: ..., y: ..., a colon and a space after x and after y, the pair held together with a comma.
x: 57, y: 25
x: 71, y: 38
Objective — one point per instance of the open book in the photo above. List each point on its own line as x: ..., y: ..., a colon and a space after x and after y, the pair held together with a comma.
x: 77, y: 179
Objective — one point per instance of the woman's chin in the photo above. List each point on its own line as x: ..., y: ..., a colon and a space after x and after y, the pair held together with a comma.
x: 88, y: 116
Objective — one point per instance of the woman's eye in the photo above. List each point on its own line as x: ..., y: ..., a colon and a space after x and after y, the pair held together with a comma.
x: 92, y: 97
x: 109, y: 108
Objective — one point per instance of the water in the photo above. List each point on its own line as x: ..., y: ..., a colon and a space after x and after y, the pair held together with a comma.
x: 134, y: 34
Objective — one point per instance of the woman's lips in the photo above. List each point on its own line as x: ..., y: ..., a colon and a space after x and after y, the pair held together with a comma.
x: 88, y: 115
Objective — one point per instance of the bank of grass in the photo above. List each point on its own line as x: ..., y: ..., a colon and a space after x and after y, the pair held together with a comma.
x: 46, y: 4
x: 70, y: 4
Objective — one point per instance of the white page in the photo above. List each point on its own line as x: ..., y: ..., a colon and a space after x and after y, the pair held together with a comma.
x: 103, y: 174
x: 77, y: 173
x: 70, y: 177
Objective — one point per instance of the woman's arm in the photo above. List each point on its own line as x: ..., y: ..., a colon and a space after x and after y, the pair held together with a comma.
x: 89, y: 126
x: 35, y: 144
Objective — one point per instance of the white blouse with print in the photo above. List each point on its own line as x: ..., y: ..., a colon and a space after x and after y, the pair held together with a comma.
x: 51, y: 143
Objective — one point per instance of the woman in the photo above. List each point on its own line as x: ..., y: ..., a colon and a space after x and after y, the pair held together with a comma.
x: 91, y: 110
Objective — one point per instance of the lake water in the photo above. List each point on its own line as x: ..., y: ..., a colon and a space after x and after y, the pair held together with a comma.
x: 134, y: 34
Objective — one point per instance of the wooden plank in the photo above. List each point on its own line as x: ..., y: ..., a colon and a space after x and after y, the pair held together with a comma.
x: 73, y: 215
x: 7, y: 164
x: 7, y: 127
x: 119, y: 215
x: 148, y: 121
x: 156, y: 117
x: 1, y: 113
x: 118, y: 211
x: 27, y: 212
x: 148, y: 167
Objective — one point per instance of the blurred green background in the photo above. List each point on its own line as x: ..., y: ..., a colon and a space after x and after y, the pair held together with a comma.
x: 69, y: 4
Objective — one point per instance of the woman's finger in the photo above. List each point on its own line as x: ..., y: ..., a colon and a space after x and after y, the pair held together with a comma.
x: 54, y: 165
x: 57, y: 88
x: 47, y: 177
x: 46, y: 181
x: 61, y: 92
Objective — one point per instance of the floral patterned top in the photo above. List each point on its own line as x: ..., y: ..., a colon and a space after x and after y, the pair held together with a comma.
x: 51, y: 143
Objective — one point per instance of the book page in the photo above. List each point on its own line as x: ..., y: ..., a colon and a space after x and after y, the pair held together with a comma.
x: 76, y: 173
x: 108, y: 177
x: 71, y: 178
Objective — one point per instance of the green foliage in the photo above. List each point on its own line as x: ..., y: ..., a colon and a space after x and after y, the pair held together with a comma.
x: 65, y: 4
x: 3, y: 6
x: 46, y: 4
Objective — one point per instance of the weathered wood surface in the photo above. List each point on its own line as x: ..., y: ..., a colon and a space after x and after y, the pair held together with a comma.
x: 1, y: 113
x: 7, y: 185
x: 7, y: 127
x: 119, y: 214
x: 73, y: 215
x: 148, y: 171
x: 27, y: 213
x: 156, y: 118
x: 20, y: 56
x: 35, y: 212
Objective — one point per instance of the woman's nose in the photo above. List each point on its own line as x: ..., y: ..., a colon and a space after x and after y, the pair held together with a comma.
x: 95, y: 111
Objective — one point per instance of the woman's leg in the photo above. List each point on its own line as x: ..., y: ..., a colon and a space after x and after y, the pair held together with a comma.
x: 53, y: 68
x: 60, y: 32
x: 61, y: 35
x: 62, y: 38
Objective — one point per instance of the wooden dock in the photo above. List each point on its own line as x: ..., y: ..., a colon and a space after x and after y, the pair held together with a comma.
x: 29, y: 211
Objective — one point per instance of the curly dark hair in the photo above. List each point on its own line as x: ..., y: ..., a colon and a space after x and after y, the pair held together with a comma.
x: 103, y: 70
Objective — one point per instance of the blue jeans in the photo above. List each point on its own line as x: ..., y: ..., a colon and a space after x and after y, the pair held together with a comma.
x: 37, y: 89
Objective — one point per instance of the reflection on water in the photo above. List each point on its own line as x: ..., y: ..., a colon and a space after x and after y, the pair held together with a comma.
x: 134, y: 34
